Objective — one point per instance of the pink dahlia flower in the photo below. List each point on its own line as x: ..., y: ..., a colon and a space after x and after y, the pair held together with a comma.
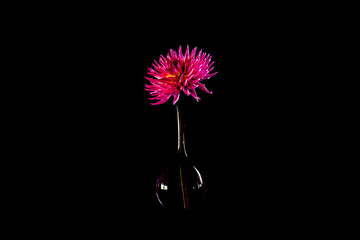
x: 177, y: 72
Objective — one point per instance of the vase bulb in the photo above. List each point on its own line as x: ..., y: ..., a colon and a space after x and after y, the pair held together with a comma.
x: 181, y: 187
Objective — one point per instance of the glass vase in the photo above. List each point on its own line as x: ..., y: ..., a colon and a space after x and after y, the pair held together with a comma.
x: 181, y: 186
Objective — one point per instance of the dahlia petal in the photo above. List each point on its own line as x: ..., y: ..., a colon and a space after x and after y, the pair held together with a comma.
x: 174, y: 54
x: 176, y: 98
x: 181, y: 57
x: 211, y: 64
x: 193, y: 86
x: 168, y: 56
x: 149, y: 87
x: 199, y: 55
x: 173, y: 79
x: 193, y: 52
x: 207, y: 60
x: 193, y: 93
x: 163, y: 100
x: 155, y: 69
x: 204, y: 62
x: 175, y: 71
x: 210, y: 75
x: 202, y: 57
x: 185, y: 90
x: 187, y: 53
x: 197, y: 75
x: 185, y: 69
x: 154, y: 98
x: 155, y: 74
x: 191, y: 71
x: 202, y: 87
x: 151, y: 70
x: 157, y: 64
x: 154, y: 81
x: 162, y: 61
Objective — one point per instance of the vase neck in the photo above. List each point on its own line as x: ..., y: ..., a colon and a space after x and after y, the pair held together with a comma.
x: 181, y: 150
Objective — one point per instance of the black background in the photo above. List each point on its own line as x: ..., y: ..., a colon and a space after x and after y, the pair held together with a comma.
x: 251, y: 139
x: 256, y: 139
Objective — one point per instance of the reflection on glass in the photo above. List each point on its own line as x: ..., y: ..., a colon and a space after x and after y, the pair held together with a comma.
x: 180, y: 186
